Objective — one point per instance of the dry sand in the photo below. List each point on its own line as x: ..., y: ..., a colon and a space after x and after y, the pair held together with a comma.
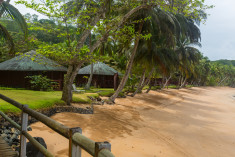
x: 195, y: 122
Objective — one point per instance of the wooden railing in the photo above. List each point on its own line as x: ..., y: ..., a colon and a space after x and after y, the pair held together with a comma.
x: 76, y: 140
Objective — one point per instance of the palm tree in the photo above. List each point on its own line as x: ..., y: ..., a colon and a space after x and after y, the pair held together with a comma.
x: 162, y: 22
x: 9, y: 11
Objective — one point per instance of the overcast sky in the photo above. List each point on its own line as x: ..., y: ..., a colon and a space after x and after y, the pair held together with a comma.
x: 218, y: 34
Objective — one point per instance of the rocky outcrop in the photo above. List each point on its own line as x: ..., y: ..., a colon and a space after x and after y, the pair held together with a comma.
x: 33, y: 151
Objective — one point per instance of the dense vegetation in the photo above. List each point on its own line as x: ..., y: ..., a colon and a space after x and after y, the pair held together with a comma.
x: 226, y: 62
x: 145, y: 40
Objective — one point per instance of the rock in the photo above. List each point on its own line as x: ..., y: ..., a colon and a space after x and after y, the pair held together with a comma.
x: 4, y: 135
x: 33, y: 151
x: 13, y: 130
x: 29, y: 128
x: 109, y: 102
x: 7, y: 131
x: 99, y: 99
x: 14, y: 139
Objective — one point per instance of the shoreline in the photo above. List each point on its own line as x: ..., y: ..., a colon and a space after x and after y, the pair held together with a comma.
x: 170, y: 123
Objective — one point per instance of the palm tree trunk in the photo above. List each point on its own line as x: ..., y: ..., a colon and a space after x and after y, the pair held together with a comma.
x: 129, y: 66
x: 222, y: 81
x: 183, y: 82
x: 179, y: 83
x: 166, y: 83
x: 147, y: 81
x: 88, y: 85
x: 141, y: 82
x: 68, y: 81
x: 150, y: 86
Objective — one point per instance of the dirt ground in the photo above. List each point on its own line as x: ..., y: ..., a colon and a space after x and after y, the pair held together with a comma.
x: 194, y: 122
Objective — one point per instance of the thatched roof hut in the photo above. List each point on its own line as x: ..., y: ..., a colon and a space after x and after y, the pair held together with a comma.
x: 31, y: 61
x: 99, y: 68
x: 14, y: 71
x: 104, y: 76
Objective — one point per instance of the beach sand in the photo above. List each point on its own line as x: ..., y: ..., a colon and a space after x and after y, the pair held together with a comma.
x: 194, y: 122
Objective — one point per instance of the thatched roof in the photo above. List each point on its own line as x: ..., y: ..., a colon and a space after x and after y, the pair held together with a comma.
x: 31, y: 61
x: 98, y: 69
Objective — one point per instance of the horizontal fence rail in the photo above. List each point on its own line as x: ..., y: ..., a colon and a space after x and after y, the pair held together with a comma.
x: 77, y: 140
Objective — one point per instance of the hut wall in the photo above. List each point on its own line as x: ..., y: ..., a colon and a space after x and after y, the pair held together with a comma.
x: 17, y: 79
x: 12, y: 79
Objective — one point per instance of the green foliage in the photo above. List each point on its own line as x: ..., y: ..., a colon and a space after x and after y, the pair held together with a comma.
x: 226, y: 62
x: 211, y: 81
x: 42, y: 83
x: 10, y: 13
x: 165, y: 29
x: 132, y: 80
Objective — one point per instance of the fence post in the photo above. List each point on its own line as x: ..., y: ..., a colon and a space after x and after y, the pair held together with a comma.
x: 101, y: 145
x: 24, y: 124
x: 74, y: 150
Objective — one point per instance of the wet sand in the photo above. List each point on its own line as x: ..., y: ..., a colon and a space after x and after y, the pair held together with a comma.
x: 195, y: 122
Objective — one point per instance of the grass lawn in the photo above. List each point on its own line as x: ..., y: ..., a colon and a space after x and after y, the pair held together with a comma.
x: 38, y: 99
x: 101, y: 91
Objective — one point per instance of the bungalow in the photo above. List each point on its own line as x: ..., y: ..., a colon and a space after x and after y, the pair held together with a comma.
x: 103, y: 76
x: 14, y: 71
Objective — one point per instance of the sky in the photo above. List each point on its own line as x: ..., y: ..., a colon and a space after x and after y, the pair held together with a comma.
x: 218, y: 33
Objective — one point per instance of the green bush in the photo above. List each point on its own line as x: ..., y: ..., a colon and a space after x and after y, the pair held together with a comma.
x: 41, y: 83
x: 211, y: 82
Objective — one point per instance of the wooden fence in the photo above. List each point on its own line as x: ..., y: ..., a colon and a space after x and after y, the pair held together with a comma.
x: 76, y: 140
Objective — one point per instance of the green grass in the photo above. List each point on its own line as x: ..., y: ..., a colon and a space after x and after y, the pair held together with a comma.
x: 106, y: 93
x: 38, y: 99
x: 173, y: 87
x: 96, y: 90
x: 189, y: 86
x: 83, y: 98
x: 100, y: 91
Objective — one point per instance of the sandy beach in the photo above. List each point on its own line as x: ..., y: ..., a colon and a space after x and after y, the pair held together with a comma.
x: 194, y: 122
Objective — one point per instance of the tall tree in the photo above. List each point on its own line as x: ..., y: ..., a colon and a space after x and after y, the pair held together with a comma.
x: 86, y: 16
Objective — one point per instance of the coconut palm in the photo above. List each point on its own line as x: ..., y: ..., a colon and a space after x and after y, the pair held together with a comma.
x: 162, y: 22
x: 9, y: 11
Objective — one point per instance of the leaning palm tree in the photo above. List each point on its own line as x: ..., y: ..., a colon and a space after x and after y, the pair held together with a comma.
x: 189, y: 56
x: 9, y: 11
x: 161, y: 21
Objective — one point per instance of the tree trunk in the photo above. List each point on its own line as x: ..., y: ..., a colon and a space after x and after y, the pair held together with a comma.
x: 115, y: 81
x: 222, y: 81
x: 68, y: 81
x: 141, y: 82
x: 128, y: 69
x: 88, y: 85
x: 183, y: 82
x: 150, y: 86
x: 166, y: 83
x: 179, y: 83
x: 147, y: 81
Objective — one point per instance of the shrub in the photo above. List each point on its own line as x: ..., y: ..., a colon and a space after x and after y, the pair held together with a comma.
x: 42, y: 83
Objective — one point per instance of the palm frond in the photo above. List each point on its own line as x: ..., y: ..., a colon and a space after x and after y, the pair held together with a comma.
x: 5, y: 34
x: 15, y: 15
